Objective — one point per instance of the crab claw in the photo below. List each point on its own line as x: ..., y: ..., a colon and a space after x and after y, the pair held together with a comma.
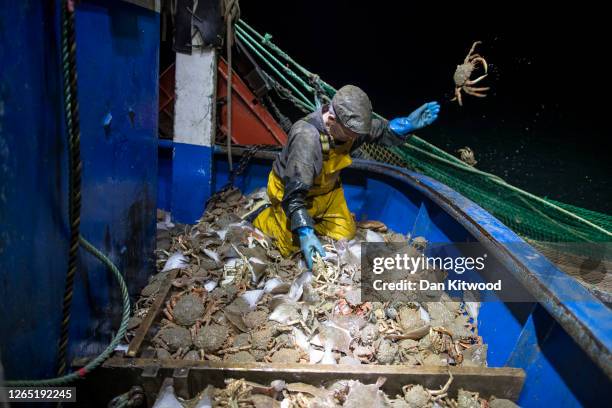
x: 483, y: 62
x: 476, y: 43
x: 444, y: 389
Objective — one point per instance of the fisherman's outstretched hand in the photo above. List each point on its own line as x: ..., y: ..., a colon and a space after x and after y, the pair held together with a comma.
x: 423, y: 116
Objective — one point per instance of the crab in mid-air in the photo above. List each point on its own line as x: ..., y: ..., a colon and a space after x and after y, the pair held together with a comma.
x: 463, y: 73
x: 467, y: 156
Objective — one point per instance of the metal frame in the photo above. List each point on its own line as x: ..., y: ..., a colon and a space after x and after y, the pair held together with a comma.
x: 191, y: 377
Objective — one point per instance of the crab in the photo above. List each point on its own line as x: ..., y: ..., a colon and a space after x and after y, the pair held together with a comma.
x: 419, y: 243
x: 463, y: 73
x: 368, y: 334
x: 441, y: 339
x: 285, y: 355
x: 256, y: 236
x: 386, y: 351
x: 365, y: 354
x: 298, y: 400
x: 262, y: 338
x: 388, y: 327
x: 373, y: 225
x: 235, y: 272
x: 174, y: 339
x: 407, y: 350
x: 190, y: 307
x: 417, y: 396
x: 236, y: 393
x: 211, y: 338
x: 343, y: 308
x: 467, y: 156
x: 442, y: 342
x: 210, y: 309
x: 324, y: 272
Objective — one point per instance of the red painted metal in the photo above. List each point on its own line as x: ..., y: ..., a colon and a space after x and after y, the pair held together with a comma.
x: 166, y: 90
x: 251, y: 121
x: 166, y: 103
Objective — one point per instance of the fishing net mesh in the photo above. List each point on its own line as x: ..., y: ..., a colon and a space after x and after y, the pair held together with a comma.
x: 529, y: 218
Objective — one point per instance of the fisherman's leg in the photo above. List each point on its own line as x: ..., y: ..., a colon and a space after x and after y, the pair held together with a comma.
x: 273, y: 222
x: 332, y: 216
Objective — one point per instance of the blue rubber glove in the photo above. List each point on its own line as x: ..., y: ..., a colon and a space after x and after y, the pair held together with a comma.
x: 309, y: 244
x: 423, y: 116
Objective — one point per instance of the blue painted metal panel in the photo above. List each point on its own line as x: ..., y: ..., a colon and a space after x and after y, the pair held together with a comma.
x: 255, y: 176
x: 500, y: 325
x: 422, y: 223
x: 33, y: 184
x: 191, y: 181
x: 559, y: 373
x: 117, y: 61
x: 377, y: 199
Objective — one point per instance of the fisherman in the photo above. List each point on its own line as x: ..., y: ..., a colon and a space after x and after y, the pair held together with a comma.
x: 304, y: 187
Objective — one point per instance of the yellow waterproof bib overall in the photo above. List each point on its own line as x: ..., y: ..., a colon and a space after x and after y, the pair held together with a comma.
x: 325, y: 203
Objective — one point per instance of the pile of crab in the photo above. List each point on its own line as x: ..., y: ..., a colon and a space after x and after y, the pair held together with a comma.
x: 342, y: 393
x: 235, y: 299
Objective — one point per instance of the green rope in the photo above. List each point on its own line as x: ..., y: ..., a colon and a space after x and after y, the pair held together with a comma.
x: 285, y: 68
x: 71, y: 113
x: 273, y: 68
x: 266, y: 41
x: 286, y: 94
x: 77, y: 375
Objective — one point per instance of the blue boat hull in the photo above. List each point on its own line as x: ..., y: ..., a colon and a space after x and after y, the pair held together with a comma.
x: 562, y: 346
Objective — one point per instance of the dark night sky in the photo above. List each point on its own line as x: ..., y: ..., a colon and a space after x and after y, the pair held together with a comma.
x: 542, y: 126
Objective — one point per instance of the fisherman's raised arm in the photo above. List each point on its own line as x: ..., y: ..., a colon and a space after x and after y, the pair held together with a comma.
x: 398, y: 130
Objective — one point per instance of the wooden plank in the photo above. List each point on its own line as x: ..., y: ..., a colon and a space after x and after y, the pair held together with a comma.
x: 154, y: 310
x: 502, y: 382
